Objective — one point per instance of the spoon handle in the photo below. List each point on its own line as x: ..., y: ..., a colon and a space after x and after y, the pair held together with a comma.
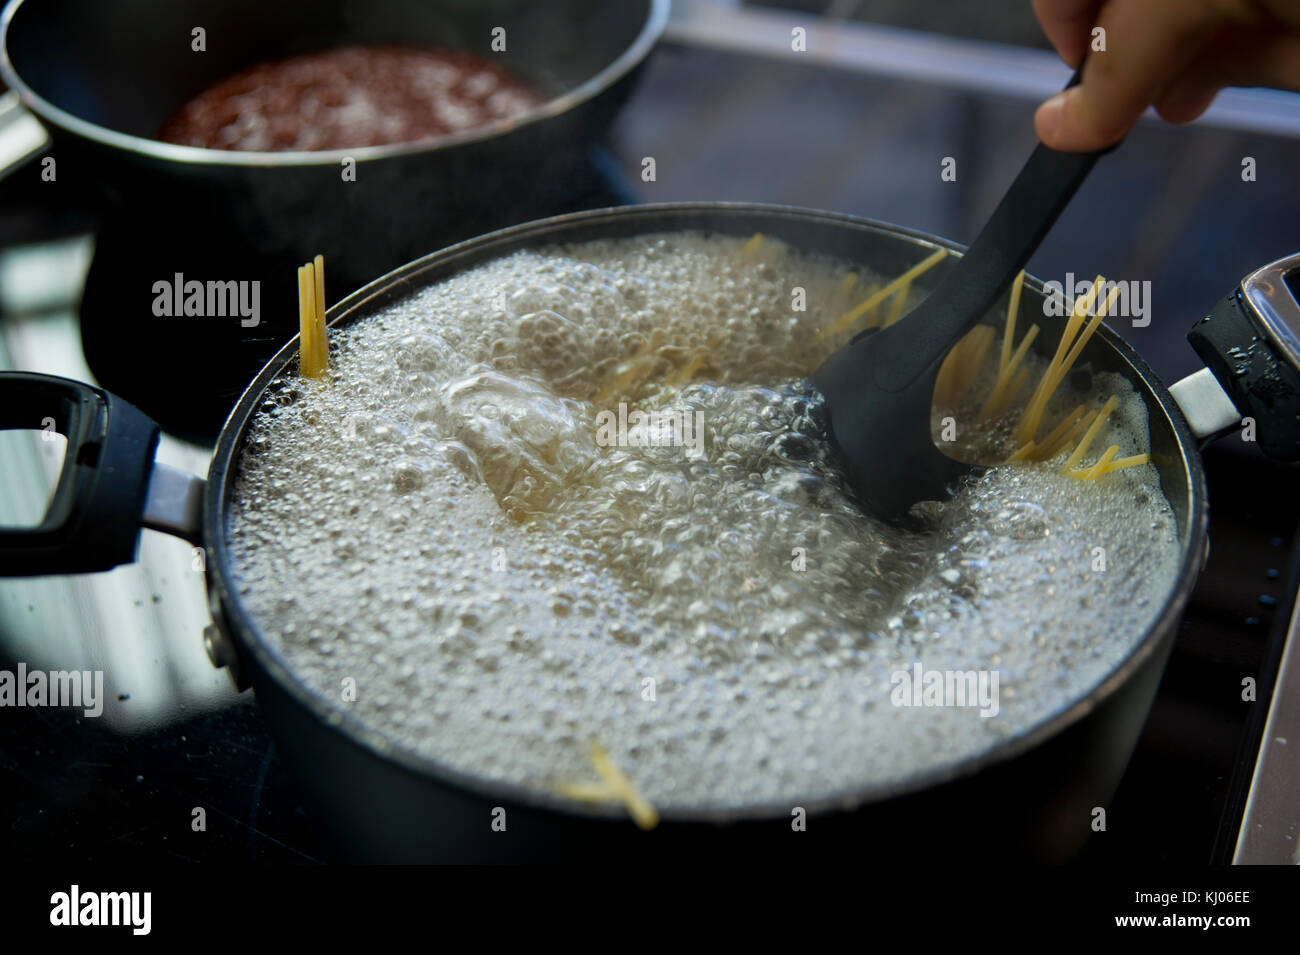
x: 966, y: 293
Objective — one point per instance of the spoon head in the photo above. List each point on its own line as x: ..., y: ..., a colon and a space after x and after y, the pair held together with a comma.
x: 884, y: 435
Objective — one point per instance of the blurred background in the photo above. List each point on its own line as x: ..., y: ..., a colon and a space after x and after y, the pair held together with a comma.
x: 857, y: 122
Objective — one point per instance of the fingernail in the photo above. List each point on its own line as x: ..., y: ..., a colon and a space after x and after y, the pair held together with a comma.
x: 1050, y: 116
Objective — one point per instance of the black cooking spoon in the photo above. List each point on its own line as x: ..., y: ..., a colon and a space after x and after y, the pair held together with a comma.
x: 880, y: 386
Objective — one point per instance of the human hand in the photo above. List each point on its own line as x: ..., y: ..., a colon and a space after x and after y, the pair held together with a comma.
x: 1174, y: 55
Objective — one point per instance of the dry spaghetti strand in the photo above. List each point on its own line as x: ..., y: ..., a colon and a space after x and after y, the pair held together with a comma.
x: 846, y: 321
x: 1077, y: 455
x: 613, y: 787
x: 1013, y: 310
x: 1077, y: 348
x: 1009, y: 378
x: 896, y: 309
x: 1007, y: 383
x: 1132, y: 461
x: 1066, y: 433
x: 1033, y: 413
x: 1097, y: 469
x: 313, y: 343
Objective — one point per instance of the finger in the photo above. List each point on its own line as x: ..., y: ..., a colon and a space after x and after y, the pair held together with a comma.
x: 1146, y: 42
x: 1282, y: 13
x: 1068, y: 25
x: 1234, y: 58
x: 1187, y: 99
x: 1245, y: 58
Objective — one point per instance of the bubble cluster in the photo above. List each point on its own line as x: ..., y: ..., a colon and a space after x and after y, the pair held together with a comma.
x: 469, y: 519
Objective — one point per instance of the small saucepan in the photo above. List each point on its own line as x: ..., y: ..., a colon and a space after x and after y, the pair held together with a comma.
x: 102, y: 79
x: 91, y: 84
x: 1030, y: 795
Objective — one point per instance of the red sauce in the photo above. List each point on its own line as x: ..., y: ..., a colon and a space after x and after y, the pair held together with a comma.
x: 349, y: 97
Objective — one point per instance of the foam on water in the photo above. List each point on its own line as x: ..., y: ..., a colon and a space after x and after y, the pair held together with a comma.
x: 442, y: 523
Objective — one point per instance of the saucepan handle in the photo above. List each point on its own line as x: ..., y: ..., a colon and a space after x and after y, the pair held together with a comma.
x: 21, y: 134
x: 109, y: 484
x: 1250, y: 344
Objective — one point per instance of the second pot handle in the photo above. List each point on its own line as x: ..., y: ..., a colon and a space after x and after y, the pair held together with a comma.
x: 21, y: 134
x: 95, y: 514
x: 1250, y: 342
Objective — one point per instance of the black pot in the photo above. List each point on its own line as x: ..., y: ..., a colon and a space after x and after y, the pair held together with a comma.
x: 1031, y: 796
x: 101, y: 78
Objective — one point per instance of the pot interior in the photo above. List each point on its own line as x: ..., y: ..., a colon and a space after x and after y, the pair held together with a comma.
x: 882, y: 248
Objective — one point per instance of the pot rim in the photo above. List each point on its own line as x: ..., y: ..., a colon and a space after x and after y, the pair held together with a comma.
x: 406, y: 280
x: 629, y: 59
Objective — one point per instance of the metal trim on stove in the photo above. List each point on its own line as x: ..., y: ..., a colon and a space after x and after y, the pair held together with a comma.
x: 1270, y: 826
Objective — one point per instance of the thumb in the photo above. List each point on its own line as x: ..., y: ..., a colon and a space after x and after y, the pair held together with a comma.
x: 1074, y: 121
x: 1143, y: 45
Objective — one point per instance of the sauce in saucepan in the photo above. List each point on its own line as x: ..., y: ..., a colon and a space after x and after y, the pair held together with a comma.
x: 350, y: 97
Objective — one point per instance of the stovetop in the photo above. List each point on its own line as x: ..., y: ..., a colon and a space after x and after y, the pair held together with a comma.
x: 175, y: 736
x: 83, y: 790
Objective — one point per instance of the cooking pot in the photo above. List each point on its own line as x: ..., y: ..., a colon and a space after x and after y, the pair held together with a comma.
x: 1028, y: 796
x: 101, y: 78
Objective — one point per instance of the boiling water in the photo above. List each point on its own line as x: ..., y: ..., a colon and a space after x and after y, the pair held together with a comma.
x: 458, y: 537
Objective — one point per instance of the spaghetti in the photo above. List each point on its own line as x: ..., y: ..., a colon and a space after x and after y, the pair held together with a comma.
x: 614, y: 786
x: 901, y: 284
x: 961, y: 368
x: 313, y: 344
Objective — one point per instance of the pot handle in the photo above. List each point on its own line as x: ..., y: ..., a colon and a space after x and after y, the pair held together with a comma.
x: 21, y: 135
x: 109, y: 485
x: 1250, y: 344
